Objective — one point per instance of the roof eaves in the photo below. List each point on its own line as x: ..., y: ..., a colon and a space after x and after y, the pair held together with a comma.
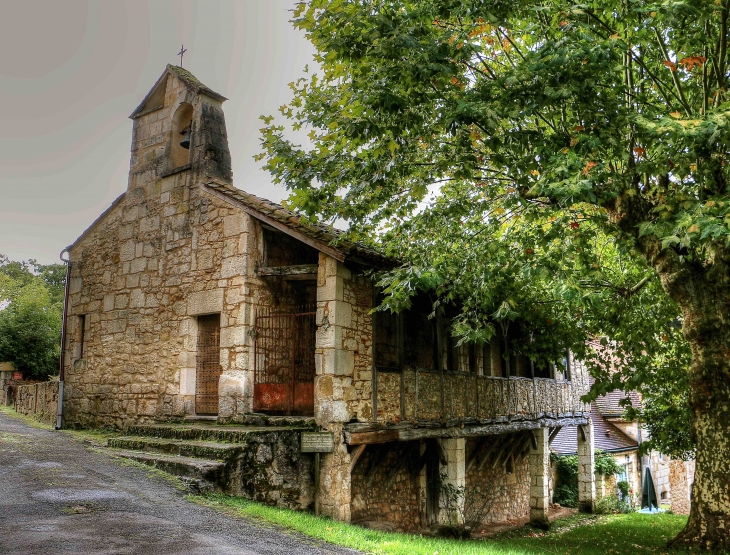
x: 318, y: 236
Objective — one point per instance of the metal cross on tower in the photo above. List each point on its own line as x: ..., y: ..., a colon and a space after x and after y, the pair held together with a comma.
x: 182, y: 53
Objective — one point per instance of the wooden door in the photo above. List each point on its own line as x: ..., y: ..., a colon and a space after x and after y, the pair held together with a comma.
x: 208, y: 367
x: 284, y: 363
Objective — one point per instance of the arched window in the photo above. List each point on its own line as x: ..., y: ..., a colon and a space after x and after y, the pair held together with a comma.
x: 181, y: 130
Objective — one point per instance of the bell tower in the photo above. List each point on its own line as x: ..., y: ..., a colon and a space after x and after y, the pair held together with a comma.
x: 179, y: 128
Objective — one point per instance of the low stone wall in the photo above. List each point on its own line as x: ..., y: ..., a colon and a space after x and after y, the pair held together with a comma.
x: 39, y: 400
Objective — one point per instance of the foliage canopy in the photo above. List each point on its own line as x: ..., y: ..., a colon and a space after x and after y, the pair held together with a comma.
x: 555, y: 165
x: 31, y: 304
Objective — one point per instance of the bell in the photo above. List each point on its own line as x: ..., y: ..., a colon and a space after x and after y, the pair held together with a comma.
x: 185, y: 143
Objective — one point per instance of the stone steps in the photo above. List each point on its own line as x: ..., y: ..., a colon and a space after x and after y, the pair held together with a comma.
x: 256, y: 460
x: 201, y: 475
x: 213, y: 432
x: 200, y: 449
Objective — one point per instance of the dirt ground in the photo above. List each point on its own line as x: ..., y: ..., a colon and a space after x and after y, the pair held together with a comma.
x: 499, y: 527
x: 58, y: 496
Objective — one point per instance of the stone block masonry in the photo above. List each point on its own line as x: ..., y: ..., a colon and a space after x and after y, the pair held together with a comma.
x: 540, y: 478
x: 38, y: 400
x: 586, y: 469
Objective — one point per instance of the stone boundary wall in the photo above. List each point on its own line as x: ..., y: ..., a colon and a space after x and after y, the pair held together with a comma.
x: 38, y: 400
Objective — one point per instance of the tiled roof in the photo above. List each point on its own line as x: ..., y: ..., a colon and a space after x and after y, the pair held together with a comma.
x: 318, y: 233
x: 607, y: 437
x: 609, y: 404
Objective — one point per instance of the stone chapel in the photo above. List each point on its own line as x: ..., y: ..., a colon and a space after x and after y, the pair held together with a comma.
x: 192, y: 301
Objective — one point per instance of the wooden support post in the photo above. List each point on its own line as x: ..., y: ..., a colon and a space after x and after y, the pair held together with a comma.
x: 355, y: 456
x: 316, y: 484
x: 374, y: 357
x: 401, y: 364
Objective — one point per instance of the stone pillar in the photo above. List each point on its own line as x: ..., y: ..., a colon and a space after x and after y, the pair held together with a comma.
x: 334, y: 372
x: 586, y: 468
x: 334, y: 493
x: 540, y: 478
x: 453, y: 483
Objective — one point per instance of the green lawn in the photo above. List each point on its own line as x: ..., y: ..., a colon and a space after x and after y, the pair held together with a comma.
x: 615, y: 534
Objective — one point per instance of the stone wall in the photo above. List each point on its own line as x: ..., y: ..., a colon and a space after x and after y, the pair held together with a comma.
x: 390, y: 483
x: 164, y: 254
x: 384, y: 490
x: 502, y: 490
x: 38, y: 400
x: 272, y: 470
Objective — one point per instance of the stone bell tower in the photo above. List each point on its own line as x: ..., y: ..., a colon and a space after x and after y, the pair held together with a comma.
x: 179, y: 128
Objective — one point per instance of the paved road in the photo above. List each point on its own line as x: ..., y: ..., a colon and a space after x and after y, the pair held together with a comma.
x: 58, y: 496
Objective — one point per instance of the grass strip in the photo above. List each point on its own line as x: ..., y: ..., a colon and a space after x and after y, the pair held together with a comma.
x: 615, y: 534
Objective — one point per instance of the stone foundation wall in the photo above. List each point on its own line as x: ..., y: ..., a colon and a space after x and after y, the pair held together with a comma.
x: 38, y: 400
x: 383, y: 489
x: 272, y: 470
x: 500, y: 495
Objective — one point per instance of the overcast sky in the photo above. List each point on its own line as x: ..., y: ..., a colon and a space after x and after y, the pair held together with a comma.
x: 72, y: 71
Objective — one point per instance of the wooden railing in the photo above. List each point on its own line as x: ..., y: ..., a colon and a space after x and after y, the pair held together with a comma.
x: 427, y: 395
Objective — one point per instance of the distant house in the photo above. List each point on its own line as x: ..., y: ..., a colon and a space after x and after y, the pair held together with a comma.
x: 622, y: 438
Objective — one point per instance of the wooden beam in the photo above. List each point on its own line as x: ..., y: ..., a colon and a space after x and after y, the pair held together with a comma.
x: 487, y: 454
x: 355, y: 456
x: 505, y: 448
x: 474, y: 452
x: 420, y: 462
x: 553, y: 433
x: 440, y: 450
x: 516, y: 446
x: 376, y: 457
x: 360, y: 433
x: 307, y: 270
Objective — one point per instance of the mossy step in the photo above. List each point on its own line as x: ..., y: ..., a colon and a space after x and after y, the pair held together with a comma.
x: 200, y: 449
x: 187, y: 467
x: 211, y: 432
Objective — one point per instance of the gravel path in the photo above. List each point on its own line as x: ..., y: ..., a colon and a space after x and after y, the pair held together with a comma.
x: 57, y: 496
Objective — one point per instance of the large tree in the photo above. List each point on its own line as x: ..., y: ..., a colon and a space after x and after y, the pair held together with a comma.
x: 608, y: 118
x: 31, y: 302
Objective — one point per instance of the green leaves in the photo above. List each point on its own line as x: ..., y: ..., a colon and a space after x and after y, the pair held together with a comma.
x: 31, y: 302
x: 535, y: 161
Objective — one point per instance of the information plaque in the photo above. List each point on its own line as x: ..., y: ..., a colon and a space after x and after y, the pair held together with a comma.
x: 317, y: 442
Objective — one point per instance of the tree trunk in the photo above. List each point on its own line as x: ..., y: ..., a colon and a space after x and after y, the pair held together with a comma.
x: 705, y: 300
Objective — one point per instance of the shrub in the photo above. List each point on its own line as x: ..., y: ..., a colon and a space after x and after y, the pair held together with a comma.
x: 610, y: 504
